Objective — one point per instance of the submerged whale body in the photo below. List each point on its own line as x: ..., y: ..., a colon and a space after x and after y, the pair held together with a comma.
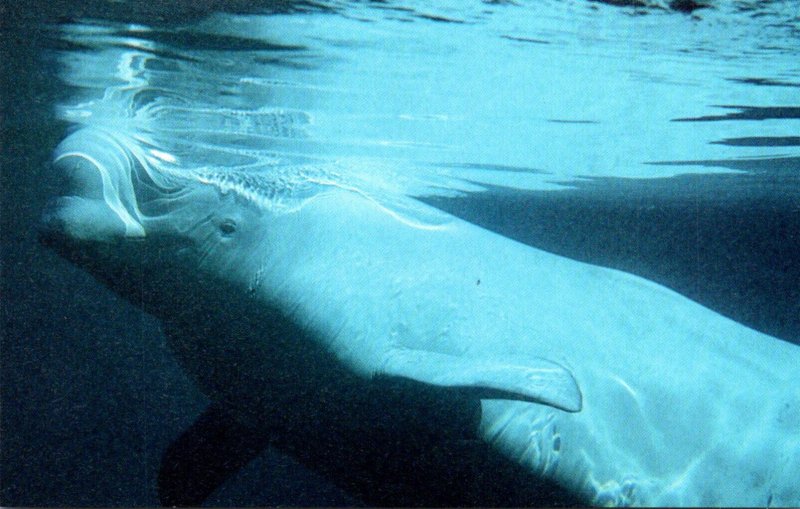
x: 323, y: 317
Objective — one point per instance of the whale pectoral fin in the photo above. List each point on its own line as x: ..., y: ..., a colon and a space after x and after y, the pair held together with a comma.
x: 531, y: 379
x: 214, y: 448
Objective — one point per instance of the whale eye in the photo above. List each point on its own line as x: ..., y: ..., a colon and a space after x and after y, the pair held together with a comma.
x: 227, y: 227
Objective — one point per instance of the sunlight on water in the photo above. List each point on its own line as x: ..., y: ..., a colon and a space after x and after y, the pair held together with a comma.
x: 528, y: 96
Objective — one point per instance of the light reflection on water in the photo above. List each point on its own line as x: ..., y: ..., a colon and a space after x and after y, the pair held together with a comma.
x: 570, y: 89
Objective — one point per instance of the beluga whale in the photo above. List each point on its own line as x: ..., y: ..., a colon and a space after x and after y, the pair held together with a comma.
x: 317, y: 300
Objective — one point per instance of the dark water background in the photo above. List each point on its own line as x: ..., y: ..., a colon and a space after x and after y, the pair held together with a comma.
x: 90, y: 397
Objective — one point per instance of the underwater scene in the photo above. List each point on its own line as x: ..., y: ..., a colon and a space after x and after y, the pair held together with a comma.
x: 400, y: 253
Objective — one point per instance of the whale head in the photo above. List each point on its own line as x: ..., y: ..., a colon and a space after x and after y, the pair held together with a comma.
x: 97, y: 199
x: 114, y: 216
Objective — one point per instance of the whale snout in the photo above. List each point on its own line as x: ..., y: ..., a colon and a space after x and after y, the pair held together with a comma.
x: 95, y: 201
x: 80, y: 219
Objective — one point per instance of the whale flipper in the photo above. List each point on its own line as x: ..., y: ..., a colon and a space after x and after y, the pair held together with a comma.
x: 530, y: 379
x: 214, y: 447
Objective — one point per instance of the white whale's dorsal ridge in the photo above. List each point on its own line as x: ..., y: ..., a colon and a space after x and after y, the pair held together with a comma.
x: 620, y: 390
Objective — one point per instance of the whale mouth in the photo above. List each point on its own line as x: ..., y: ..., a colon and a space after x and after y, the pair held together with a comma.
x: 95, y: 201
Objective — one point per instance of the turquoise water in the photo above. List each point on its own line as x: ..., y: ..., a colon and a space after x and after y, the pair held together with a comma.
x: 568, y: 90
x: 660, y: 142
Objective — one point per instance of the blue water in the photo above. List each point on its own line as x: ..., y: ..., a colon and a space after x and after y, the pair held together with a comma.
x: 663, y: 143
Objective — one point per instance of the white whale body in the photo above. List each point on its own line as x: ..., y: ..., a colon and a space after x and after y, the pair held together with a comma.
x: 255, y: 182
x: 281, y: 293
